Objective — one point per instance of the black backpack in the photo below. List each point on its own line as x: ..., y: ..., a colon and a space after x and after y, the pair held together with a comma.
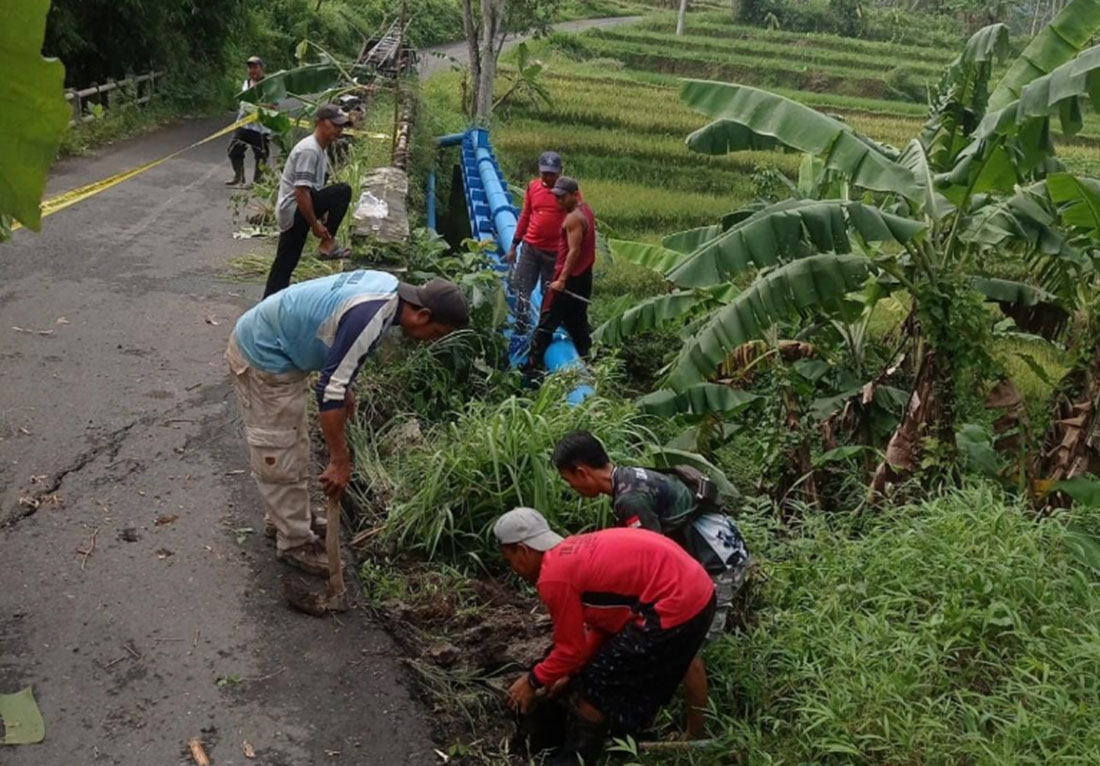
x: 703, y: 489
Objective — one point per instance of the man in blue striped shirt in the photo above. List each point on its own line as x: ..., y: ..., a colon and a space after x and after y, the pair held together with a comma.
x: 328, y: 325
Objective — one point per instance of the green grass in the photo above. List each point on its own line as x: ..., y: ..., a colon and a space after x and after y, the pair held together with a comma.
x: 254, y: 267
x: 961, y: 630
x: 763, y: 50
x: 718, y: 25
x: 745, y: 69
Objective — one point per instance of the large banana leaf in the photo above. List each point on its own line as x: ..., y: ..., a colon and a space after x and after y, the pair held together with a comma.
x: 1079, y: 199
x: 653, y: 257
x: 789, y: 229
x: 1025, y: 218
x: 278, y: 122
x: 1014, y: 141
x: 748, y: 118
x: 33, y: 111
x: 1059, y: 92
x: 816, y: 282
x: 1030, y: 221
x: 727, y: 135
x: 1008, y: 291
x: 686, y: 241
x: 1056, y: 44
x: 915, y: 159
x: 649, y: 314
x: 959, y: 101
x: 302, y: 81
x: 700, y: 399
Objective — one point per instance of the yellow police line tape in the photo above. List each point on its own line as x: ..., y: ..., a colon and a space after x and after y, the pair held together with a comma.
x: 347, y: 131
x: 81, y: 193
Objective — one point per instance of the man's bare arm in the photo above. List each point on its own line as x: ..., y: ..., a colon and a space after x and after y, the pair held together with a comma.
x: 337, y: 473
x: 574, y: 236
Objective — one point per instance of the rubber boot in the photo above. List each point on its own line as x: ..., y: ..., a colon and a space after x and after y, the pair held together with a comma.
x: 583, y: 741
x: 258, y: 173
x: 238, y: 172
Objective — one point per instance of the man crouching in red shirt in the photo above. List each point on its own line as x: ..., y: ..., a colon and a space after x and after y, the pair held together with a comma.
x: 630, y: 610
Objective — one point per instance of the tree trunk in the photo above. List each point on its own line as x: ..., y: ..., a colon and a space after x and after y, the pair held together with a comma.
x: 928, y: 407
x: 681, y: 16
x: 492, y: 17
x: 472, y: 31
x: 1072, y: 439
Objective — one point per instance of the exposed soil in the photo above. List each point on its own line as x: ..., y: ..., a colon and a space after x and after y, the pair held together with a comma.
x: 465, y: 641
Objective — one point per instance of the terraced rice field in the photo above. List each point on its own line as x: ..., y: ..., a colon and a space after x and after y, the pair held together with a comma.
x: 617, y: 118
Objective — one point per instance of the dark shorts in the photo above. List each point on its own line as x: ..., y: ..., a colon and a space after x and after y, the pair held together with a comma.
x: 637, y: 671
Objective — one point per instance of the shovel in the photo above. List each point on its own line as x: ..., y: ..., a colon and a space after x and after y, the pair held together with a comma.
x: 298, y: 591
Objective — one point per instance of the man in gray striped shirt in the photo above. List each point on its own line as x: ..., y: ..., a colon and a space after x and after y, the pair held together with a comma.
x: 305, y: 204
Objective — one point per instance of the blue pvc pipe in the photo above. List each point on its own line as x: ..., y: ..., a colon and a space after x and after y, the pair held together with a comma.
x: 454, y: 139
x: 492, y: 216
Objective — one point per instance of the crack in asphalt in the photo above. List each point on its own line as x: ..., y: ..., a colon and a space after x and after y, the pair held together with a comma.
x: 28, y: 505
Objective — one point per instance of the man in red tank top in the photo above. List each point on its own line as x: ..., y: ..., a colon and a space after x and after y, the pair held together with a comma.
x: 566, y: 302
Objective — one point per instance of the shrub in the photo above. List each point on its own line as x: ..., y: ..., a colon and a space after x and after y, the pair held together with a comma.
x: 449, y: 489
x: 907, y: 85
x: 847, y: 17
x: 962, y: 630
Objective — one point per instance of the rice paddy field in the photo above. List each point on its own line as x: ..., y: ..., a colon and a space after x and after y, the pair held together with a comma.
x: 617, y: 119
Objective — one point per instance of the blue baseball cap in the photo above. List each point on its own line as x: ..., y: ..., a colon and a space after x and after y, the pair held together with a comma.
x: 550, y: 162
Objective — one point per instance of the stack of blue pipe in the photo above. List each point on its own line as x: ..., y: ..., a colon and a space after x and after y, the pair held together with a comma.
x: 494, y: 217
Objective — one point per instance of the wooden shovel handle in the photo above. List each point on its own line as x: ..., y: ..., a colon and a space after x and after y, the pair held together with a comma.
x: 332, y: 548
x: 198, y: 753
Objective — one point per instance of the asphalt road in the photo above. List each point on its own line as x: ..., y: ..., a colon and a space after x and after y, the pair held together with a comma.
x: 123, y: 414
x: 118, y: 426
x: 442, y: 57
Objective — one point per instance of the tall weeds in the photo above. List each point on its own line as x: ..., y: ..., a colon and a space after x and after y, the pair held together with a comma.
x: 961, y: 630
x: 493, y: 457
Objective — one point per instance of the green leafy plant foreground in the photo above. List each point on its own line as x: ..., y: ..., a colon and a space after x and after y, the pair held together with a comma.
x: 33, y: 112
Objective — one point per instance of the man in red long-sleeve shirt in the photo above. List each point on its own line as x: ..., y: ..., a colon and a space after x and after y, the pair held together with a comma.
x: 538, y: 230
x: 630, y: 610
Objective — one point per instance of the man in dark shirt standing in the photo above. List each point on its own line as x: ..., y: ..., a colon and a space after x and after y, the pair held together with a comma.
x: 652, y: 500
x: 255, y: 134
x: 566, y: 302
x: 305, y: 204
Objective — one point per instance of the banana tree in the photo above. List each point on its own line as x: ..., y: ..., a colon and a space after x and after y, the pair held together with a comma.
x: 936, y: 218
x: 1070, y: 447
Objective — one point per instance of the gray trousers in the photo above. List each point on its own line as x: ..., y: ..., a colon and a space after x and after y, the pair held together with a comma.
x: 726, y: 586
x: 273, y: 409
x: 533, y: 266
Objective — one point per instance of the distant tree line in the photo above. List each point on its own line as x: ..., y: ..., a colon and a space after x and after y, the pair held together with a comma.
x: 204, y: 40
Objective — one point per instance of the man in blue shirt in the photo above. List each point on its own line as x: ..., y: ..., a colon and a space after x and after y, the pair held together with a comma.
x: 328, y: 325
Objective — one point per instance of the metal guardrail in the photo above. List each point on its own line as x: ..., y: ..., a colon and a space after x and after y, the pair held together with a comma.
x: 79, y: 100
